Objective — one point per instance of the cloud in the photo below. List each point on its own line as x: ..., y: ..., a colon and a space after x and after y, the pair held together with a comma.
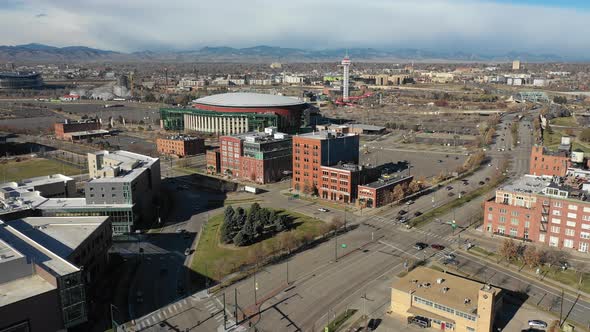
x: 40, y: 15
x: 451, y: 25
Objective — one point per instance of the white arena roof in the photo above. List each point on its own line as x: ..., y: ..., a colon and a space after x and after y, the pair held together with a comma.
x: 241, y: 99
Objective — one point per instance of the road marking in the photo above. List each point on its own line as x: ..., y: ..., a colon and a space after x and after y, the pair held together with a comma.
x: 398, y: 249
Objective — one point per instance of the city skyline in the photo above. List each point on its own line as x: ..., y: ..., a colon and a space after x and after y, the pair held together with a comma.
x: 443, y: 25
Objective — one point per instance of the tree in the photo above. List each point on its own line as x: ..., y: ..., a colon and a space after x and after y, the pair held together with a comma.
x: 254, y: 211
x: 228, y: 213
x: 398, y: 193
x: 560, y: 100
x: 532, y: 257
x: 555, y: 257
x: 240, y: 239
x: 280, y: 224
x: 228, y: 228
x: 249, y: 231
x: 150, y: 98
x: 508, y: 250
x: 585, y: 135
x: 240, y: 218
x: 287, y: 241
x: 414, y: 187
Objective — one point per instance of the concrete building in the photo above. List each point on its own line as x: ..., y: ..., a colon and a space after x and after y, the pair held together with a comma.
x: 43, y: 287
x: 545, y: 162
x: 316, y: 149
x: 379, y: 193
x: 122, y: 177
x: 516, y: 65
x: 446, y: 301
x: 213, y: 161
x: 55, y: 185
x: 353, y: 128
x: 68, y: 129
x: 259, y: 157
x: 181, y: 145
x: 542, y: 209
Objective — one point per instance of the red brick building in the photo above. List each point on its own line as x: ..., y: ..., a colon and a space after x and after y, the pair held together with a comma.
x: 258, y: 157
x: 380, y: 192
x: 313, y: 150
x: 62, y: 129
x: 545, y: 162
x: 340, y: 182
x: 537, y: 209
x: 213, y: 161
x: 181, y: 146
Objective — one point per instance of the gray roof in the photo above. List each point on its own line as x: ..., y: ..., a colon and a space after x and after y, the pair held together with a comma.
x: 240, y: 99
x: 77, y: 203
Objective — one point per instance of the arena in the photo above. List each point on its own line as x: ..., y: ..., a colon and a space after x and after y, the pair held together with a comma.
x: 20, y: 80
x: 235, y: 113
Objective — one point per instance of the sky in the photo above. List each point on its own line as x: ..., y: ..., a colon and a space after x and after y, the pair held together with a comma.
x: 480, y: 26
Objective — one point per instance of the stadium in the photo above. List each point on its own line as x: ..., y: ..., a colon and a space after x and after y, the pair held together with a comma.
x: 20, y: 80
x: 235, y: 113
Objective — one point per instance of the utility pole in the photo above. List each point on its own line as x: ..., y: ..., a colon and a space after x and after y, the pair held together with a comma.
x: 335, y: 245
x: 236, y: 305
x: 224, y: 313
x: 287, y: 272
x: 561, y: 309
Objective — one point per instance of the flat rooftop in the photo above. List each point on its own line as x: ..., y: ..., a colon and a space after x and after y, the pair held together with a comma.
x: 78, y: 203
x: 181, y: 138
x: 131, y: 164
x: 7, y: 253
x: 23, y: 288
x: 88, y: 132
x: 345, y: 167
x: 383, y: 182
x: 47, y: 179
x: 61, y: 235
x: 36, y: 252
x: 422, y: 282
x: 325, y: 134
x: 528, y: 184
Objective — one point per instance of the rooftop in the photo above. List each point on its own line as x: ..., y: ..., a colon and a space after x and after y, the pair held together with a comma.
x: 47, y: 179
x: 61, y: 235
x: 528, y: 184
x: 422, y: 282
x: 131, y: 164
x: 182, y: 138
x: 325, y: 134
x: 345, y: 166
x: 36, y: 252
x: 240, y: 99
x: 382, y: 182
x: 23, y: 288
x: 77, y: 203
x: 88, y: 132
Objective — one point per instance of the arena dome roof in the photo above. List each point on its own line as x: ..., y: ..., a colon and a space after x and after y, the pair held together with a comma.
x: 241, y: 99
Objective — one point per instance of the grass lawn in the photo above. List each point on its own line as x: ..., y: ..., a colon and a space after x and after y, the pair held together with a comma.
x: 216, y: 261
x: 15, y: 171
x: 340, y: 319
x: 568, y: 121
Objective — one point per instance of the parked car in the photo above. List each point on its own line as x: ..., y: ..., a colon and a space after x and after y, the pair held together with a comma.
x: 323, y: 210
x: 449, y: 187
x: 402, y: 220
x: 451, y: 194
x: 437, y: 246
x: 420, y: 246
x: 536, y: 323
x: 420, y: 321
x: 481, y: 183
x: 410, y: 202
x: 450, y: 256
x: 417, y: 213
x: 402, y: 212
x: 451, y: 262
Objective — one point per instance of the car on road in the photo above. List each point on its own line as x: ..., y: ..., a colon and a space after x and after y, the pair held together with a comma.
x: 323, y: 210
x: 410, y: 202
x: 402, y: 220
x: 451, y: 194
x: 536, y: 323
x: 437, y: 246
x: 451, y: 262
x: 402, y: 212
x: 420, y: 246
x: 463, y: 192
x: 449, y: 187
x: 450, y: 256
x: 487, y: 179
x: 440, y: 161
x: 417, y: 213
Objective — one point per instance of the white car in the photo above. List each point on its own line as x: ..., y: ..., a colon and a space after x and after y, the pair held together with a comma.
x: 537, y: 324
x: 323, y: 210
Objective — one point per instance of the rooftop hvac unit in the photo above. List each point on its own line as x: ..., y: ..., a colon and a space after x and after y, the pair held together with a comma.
x: 440, y: 280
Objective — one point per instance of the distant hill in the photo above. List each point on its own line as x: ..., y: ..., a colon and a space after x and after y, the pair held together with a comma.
x: 45, y: 53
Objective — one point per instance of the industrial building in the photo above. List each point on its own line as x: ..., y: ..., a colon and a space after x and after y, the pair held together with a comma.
x: 236, y: 113
x: 181, y: 145
x: 78, y: 130
x: 554, y: 211
x: 21, y: 80
x: 259, y: 157
x: 445, y: 301
x: 213, y: 158
x: 42, y: 282
x: 379, y: 193
x: 316, y: 149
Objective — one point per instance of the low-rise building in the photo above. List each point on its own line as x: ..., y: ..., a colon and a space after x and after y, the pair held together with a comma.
x: 68, y: 128
x: 56, y: 185
x: 446, y: 301
x: 181, y: 145
x: 353, y: 128
x: 42, y: 282
x: 379, y: 193
x: 340, y: 182
x: 548, y: 210
x: 552, y: 163
x: 213, y: 161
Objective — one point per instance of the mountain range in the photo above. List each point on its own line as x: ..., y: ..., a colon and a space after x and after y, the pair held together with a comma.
x: 45, y: 53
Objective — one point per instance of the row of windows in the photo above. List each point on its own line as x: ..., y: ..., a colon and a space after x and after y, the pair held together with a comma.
x: 444, y: 308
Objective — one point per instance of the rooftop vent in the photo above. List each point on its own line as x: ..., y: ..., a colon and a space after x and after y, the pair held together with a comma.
x: 445, y: 289
x: 440, y: 280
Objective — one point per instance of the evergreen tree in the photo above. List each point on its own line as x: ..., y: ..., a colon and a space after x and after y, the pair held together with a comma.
x: 240, y: 239
x: 228, y: 214
x: 228, y: 227
x: 259, y: 227
x: 249, y: 230
x: 280, y: 224
x: 240, y: 218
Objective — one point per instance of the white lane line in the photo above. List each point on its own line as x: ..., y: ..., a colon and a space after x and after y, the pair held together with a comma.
x: 398, y: 249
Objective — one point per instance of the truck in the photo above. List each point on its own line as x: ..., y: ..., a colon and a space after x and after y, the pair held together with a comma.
x: 251, y: 189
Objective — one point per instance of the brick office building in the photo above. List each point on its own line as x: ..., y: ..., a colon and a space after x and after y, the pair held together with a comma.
x: 340, y: 182
x: 545, y: 162
x: 213, y: 161
x: 313, y: 150
x: 181, y: 146
x: 258, y: 157
x: 64, y: 130
x: 541, y: 209
x: 380, y: 192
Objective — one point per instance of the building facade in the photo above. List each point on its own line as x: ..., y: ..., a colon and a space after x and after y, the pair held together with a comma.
x: 379, y: 193
x: 64, y: 130
x: 544, y: 162
x: 213, y: 161
x: 543, y: 210
x: 316, y: 149
x: 180, y: 145
x: 445, y: 301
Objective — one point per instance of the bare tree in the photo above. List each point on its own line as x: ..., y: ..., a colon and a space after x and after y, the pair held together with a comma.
x: 532, y: 257
x: 508, y: 250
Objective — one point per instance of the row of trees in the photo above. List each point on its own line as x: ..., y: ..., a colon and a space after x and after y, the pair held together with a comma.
x: 242, y: 227
x: 530, y: 255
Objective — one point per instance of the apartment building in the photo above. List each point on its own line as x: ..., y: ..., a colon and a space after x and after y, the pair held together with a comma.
x: 545, y: 162
x: 313, y: 150
x: 446, y: 301
x: 213, y: 158
x: 542, y: 209
x: 180, y: 145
